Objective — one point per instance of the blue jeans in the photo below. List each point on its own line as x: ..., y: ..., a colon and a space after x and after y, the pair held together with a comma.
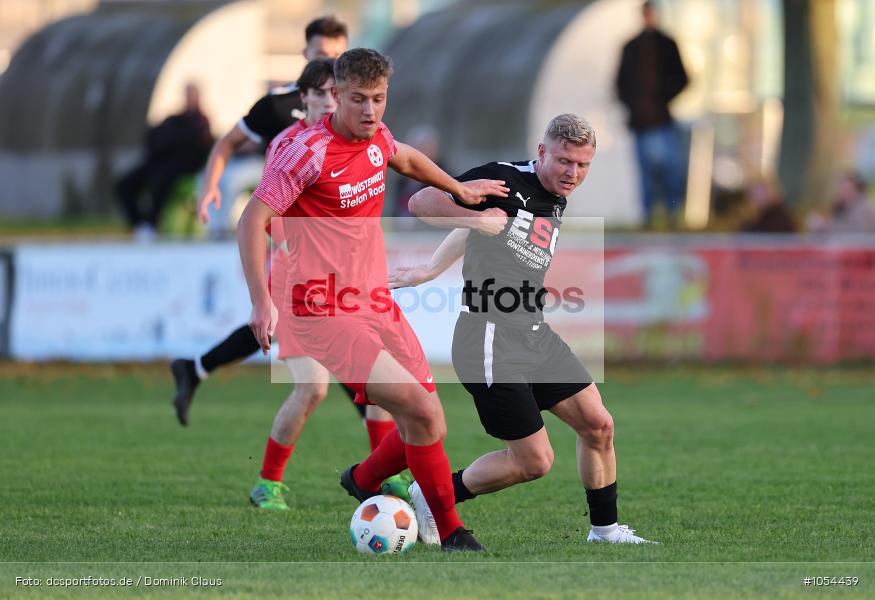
x: 662, y: 168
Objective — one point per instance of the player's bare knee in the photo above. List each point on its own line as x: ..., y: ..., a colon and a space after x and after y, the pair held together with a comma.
x: 537, y: 465
x: 310, y: 396
x: 437, y: 430
x: 435, y: 423
x: 598, y: 433
x: 429, y: 419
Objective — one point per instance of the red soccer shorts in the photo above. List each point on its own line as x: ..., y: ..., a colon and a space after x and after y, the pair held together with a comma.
x: 348, y: 344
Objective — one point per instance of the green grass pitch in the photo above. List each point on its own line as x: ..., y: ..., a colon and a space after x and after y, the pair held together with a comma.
x: 752, y: 479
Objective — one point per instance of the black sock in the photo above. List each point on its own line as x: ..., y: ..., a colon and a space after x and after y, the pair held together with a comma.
x: 462, y: 492
x: 602, y: 505
x: 188, y: 365
x: 237, y: 346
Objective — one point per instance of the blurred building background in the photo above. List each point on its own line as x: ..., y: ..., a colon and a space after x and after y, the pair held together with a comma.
x: 83, y: 78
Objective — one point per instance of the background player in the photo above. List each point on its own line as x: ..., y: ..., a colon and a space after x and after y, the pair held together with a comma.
x: 326, y: 37
x: 510, y: 360
x: 307, y: 178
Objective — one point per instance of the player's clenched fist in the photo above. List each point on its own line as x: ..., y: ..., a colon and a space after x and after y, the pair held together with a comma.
x: 263, y: 321
x: 475, y: 192
x: 491, y: 221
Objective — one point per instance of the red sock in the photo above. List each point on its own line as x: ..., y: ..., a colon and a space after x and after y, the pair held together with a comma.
x: 387, y: 459
x: 275, y: 458
x: 377, y: 430
x: 431, y: 468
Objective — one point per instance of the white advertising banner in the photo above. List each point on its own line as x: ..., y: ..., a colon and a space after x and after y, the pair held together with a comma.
x: 126, y: 302
x: 118, y: 302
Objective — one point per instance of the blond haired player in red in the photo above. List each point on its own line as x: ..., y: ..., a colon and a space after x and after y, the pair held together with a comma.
x: 328, y: 182
x: 311, y: 386
x: 311, y: 381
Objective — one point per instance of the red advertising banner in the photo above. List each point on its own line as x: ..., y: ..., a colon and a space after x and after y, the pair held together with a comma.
x: 786, y: 303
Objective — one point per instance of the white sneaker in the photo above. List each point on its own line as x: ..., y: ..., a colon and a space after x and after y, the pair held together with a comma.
x: 428, y: 532
x: 621, y: 534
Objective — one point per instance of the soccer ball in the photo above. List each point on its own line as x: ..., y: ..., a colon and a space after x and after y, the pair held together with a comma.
x: 383, y: 525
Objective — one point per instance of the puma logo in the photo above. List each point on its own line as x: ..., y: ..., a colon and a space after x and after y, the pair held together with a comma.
x: 524, y: 200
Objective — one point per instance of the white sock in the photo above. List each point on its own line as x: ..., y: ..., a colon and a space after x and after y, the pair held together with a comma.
x: 199, y: 369
x: 608, y: 532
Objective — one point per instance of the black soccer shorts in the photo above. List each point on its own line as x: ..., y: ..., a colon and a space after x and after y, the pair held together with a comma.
x: 513, y: 374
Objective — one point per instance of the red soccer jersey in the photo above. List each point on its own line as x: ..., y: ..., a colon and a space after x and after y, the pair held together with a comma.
x: 330, y: 191
x: 289, y: 132
x: 286, y: 134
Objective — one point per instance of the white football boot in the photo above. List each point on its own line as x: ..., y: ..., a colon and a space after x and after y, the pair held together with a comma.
x: 616, y: 534
x: 428, y: 532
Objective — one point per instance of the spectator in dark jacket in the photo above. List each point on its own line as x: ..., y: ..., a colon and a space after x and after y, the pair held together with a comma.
x: 178, y: 146
x: 651, y: 74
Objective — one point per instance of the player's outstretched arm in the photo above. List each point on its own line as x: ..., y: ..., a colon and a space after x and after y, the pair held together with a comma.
x: 253, y: 255
x: 223, y: 149
x: 450, y: 250
x: 410, y: 162
x: 436, y: 208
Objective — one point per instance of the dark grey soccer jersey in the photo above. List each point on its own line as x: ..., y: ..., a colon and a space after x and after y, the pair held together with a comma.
x: 504, y: 274
x: 273, y: 113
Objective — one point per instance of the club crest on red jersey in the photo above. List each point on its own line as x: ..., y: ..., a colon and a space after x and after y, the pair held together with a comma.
x: 375, y: 155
